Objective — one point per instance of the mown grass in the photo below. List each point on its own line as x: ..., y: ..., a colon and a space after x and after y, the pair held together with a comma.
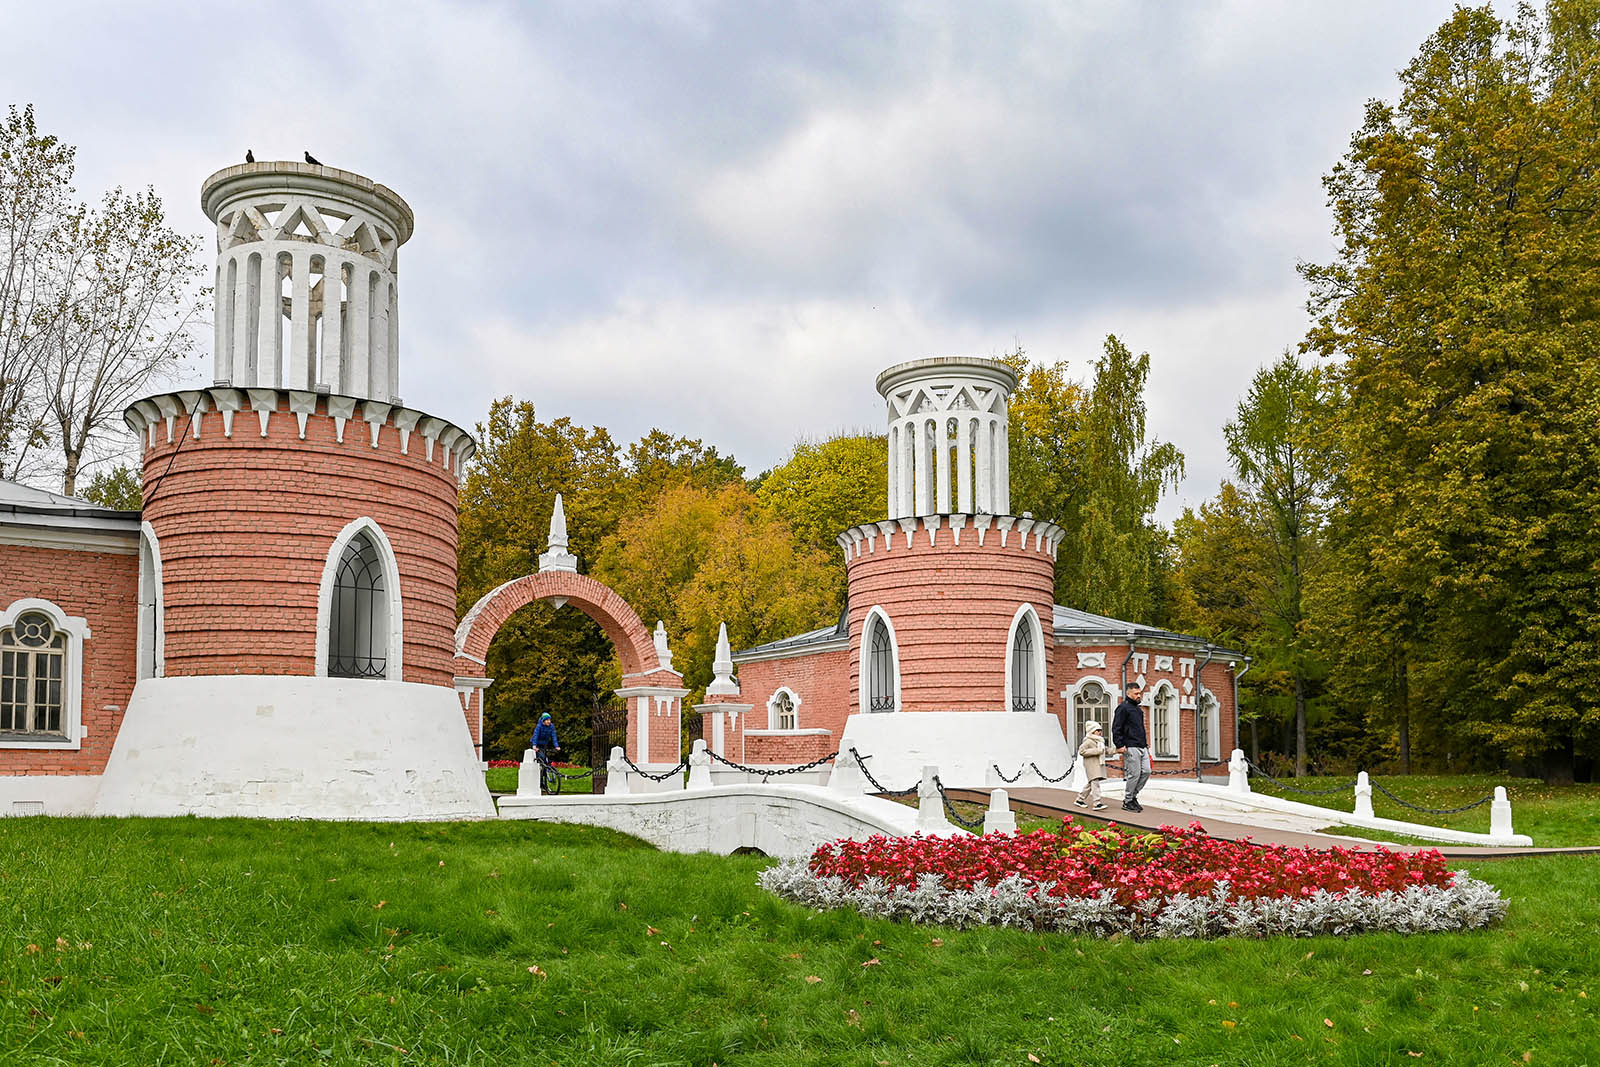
x: 196, y: 941
x: 1553, y: 815
x: 504, y: 780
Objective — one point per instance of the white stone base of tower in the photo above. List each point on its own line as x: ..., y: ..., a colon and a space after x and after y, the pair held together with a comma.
x: 962, y: 744
x: 277, y: 747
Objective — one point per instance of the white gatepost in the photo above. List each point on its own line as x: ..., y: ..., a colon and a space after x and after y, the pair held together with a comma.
x: 528, y: 784
x: 930, y: 807
x: 700, y: 766
x: 846, y: 776
x: 1238, y: 772
x: 1500, y: 814
x: 617, y: 773
x: 1363, y: 796
x: 999, y: 819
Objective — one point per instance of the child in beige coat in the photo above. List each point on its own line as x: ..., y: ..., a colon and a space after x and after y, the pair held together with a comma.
x: 1093, y: 754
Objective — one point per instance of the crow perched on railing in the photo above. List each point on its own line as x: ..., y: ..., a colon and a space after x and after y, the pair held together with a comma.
x: 313, y: 160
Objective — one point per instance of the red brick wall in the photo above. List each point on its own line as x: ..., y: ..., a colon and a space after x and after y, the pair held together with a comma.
x: 821, y: 681
x: 951, y: 606
x: 788, y: 748
x: 245, y: 524
x: 1218, y: 677
x: 102, y: 587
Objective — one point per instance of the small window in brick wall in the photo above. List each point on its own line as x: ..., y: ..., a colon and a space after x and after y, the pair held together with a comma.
x: 1165, y: 741
x: 783, y: 712
x: 359, y: 633
x: 1092, y: 704
x: 33, y: 655
x: 880, y: 673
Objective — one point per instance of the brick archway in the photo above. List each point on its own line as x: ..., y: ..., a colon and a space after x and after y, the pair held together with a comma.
x: 653, y: 690
x: 620, y: 622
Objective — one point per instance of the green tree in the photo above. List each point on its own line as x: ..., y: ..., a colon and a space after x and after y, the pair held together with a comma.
x: 1275, y: 445
x: 118, y: 488
x: 659, y: 460
x: 1465, y: 303
x: 1080, y: 457
x: 825, y: 487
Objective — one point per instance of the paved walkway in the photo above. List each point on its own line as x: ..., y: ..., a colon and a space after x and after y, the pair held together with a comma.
x: 1054, y: 803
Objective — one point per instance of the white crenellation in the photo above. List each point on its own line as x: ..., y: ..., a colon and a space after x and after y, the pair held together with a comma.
x: 948, y: 429
x: 862, y: 540
x: 302, y: 405
x: 307, y: 279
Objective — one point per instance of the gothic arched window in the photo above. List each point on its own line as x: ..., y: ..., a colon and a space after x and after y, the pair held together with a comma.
x: 1025, y: 681
x: 1091, y: 704
x: 880, y: 666
x: 785, y: 716
x: 358, y: 632
x: 1163, y: 705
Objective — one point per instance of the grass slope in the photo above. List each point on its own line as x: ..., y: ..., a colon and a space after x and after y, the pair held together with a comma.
x: 196, y: 941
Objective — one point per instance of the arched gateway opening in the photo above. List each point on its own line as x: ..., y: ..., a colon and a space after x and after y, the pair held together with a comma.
x: 652, y: 689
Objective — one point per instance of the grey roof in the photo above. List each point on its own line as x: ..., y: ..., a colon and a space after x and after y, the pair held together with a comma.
x: 38, y: 507
x: 1071, y: 622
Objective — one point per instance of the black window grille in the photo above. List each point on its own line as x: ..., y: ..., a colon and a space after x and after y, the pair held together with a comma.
x: 880, y: 669
x: 33, y: 656
x: 1024, y: 683
x: 358, y: 632
x: 783, y: 704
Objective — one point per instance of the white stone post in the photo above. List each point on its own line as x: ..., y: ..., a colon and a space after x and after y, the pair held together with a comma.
x: 1500, y: 814
x: 616, y: 773
x: 999, y: 819
x: 528, y: 784
x: 930, y: 807
x: 269, y: 321
x: 1238, y: 772
x: 846, y: 776
x: 1364, y: 796
x: 300, y: 338
x: 699, y: 766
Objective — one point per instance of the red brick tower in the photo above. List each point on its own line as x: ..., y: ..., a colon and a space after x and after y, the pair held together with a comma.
x: 304, y: 520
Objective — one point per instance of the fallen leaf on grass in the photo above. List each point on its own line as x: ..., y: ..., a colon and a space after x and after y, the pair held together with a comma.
x: 1329, y: 1023
x: 381, y: 904
x: 852, y: 1017
x: 651, y: 931
x: 33, y: 950
x: 54, y: 979
x: 812, y: 979
x: 204, y: 1009
x: 1228, y: 1024
x: 937, y: 942
x: 1034, y: 1059
x: 1313, y: 952
x: 1366, y: 972
x: 537, y: 971
x: 873, y: 962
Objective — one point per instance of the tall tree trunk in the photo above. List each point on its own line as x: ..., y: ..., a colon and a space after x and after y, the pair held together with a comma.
x: 1402, y: 701
x: 69, y: 480
x: 1255, y: 743
x: 1299, y: 725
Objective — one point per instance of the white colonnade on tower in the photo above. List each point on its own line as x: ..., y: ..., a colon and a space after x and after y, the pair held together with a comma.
x: 948, y: 436
x: 307, y: 293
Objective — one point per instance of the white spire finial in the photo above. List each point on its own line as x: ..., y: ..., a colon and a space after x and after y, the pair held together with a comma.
x: 663, y: 653
x: 723, y: 683
x: 558, y: 558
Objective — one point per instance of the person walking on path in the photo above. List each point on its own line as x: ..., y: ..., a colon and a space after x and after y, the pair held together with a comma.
x: 1127, y: 733
x: 1093, y: 754
x: 544, y: 738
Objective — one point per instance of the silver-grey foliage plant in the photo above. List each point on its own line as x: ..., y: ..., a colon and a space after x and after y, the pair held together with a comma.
x: 1465, y: 904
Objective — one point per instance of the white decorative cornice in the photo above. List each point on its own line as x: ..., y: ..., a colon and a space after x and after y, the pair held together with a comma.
x: 302, y: 404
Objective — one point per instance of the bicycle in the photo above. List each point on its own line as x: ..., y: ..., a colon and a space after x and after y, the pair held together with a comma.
x: 549, y: 777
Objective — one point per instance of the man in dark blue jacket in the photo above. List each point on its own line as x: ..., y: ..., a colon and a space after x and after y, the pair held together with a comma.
x: 1127, y: 733
x: 544, y: 738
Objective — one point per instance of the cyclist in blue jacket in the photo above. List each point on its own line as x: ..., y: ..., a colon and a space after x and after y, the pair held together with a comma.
x: 544, y: 738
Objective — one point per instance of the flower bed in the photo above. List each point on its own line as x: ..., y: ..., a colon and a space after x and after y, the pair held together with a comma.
x: 1175, y: 883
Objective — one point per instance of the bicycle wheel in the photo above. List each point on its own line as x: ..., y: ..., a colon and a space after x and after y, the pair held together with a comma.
x: 551, y: 780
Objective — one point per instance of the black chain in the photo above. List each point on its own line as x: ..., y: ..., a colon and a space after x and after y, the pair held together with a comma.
x: 1296, y: 789
x: 1429, y: 811
x: 877, y: 785
x: 587, y: 772
x: 1002, y: 774
x: 1157, y: 774
x: 1064, y: 774
x: 950, y: 809
x: 654, y: 777
x: 768, y: 772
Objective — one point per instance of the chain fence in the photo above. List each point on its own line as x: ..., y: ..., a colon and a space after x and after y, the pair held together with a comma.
x: 950, y: 809
x: 654, y: 777
x: 768, y: 772
x: 1257, y: 768
x: 1430, y: 811
x: 877, y: 785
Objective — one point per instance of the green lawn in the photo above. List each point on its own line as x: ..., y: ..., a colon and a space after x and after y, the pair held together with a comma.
x: 1551, y: 815
x: 198, y: 941
x: 504, y: 780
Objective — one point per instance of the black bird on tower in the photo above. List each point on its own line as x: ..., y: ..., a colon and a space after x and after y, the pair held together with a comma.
x: 249, y: 156
x: 313, y: 160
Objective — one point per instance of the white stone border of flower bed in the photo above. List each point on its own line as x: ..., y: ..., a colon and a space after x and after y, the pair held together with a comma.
x: 1466, y: 904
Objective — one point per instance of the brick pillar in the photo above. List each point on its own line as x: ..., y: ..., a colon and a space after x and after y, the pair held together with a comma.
x: 655, y: 718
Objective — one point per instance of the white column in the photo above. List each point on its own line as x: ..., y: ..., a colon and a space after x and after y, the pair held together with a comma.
x: 985, y: 501
x: 227, y: 316
x: 358, y: 317
x: 941, y: 441
x: 919, y: 439
x: 908, y: 470
x: 219, y: 357
x: 300, y: 322
x: 1002, y: 428
x: 894, y: 472
x: 393, y: 347
x: 244, y: 302
x: 964, y: 464
x: 269, y: 328
x: 378, y: 336
x: 332, y: 323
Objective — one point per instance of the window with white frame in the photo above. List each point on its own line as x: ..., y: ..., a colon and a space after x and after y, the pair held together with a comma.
x: 33, y: 670
x: 1091, y: 703
x: 1164, y: 715
x: 1207, y: 723
x: 1026, y: 678
x: 784, y: 710
x: 358, y: 633
x: 880, y: 666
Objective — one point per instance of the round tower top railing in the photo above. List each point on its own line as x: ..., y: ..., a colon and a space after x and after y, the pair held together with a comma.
x: 900, y: 374
x: 254, y: 180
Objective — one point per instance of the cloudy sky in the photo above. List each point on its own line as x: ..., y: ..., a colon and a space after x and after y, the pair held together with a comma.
x: 723, y: 219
